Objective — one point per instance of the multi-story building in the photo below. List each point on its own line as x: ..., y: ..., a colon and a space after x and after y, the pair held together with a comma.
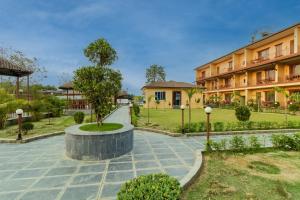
x: 255, y: 69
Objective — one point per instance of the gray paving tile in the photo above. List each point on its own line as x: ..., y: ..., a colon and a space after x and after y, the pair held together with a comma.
x: 177, y: 171
x: 13, y: 166
x: 166, y: 156
x: 40, y: 195
x: 9, y: 196
x: 122, y: 159
x: 119, y: 166
x: 92, y: 168
x: 146, y: 164
x: 87, y: 179
x: 5, y: 174
x: 169, y: 162
x: 144, y: 157
x: 119, y: 176
x: 51, y: 182
x: 15, y: 185
x: 61, y: 171
x: 41, y: 164
x: 81, y: 193
x: 110, y: 190
x: 148, y: 171
x: 30, y: 173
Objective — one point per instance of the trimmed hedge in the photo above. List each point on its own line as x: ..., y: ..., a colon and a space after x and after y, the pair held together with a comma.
x: 151, y: 187
x: 79, y: 117
x: 27, y: 126
x: 242, y: 113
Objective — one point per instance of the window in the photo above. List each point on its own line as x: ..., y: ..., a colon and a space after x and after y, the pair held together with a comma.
x: 270, y: 96
x: 230, y: 66
x: 218, y: 70
x: 278, y: 49
x: 270, y: 75
x: 160, y: 96
x: 264, y: 54
x: 295, y: 70
x: 203, y: 75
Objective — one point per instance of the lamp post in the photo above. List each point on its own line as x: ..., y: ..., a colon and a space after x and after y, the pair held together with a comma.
x: 19, y: 112
x: 182, y: 118
x: 130, y: 112
x: 208, y: 110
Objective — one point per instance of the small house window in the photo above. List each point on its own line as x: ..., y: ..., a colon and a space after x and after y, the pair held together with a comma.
x: 278, y: 48
x: 160, y: 96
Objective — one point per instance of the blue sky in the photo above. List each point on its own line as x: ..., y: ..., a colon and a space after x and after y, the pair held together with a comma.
x: 178, y: 35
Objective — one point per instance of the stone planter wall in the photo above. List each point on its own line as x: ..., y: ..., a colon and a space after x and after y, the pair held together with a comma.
x: 84, y: 145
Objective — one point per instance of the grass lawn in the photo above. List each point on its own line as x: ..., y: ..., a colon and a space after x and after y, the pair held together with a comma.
x: 104, y: 127
x: 169, y: 119
x: 272, y: 175
x: 41, y: 127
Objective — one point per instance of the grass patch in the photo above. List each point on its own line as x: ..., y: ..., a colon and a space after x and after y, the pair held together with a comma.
x: 104, y: 127
x: 41, y: 127
x: 264, y: 167
x: 170, y: 119
x: 226, y: 176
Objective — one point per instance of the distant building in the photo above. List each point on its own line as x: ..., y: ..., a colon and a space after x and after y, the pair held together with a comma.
x: 170, y: 94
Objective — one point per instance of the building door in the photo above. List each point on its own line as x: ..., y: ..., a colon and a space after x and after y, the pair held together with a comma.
x: 176, y: 99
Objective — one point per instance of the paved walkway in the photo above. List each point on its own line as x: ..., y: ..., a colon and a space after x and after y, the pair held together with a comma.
x: 40, y: 171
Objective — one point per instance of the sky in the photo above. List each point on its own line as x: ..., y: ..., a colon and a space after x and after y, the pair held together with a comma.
x: 176, y: 34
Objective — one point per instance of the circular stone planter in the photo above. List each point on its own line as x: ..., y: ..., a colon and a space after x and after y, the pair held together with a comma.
x: 85, y: 145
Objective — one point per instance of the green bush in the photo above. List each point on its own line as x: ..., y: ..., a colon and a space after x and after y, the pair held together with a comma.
x: 151, y: 187
x: 221, y: 145
x: 79, y: 117
x: 242, y: 113
x: 3, y: 117
x: 293, y: 107
x: 27, y: 126
x: 218, y: 126
x: 254, y: 142
x: 287, y: 142
x: 134, y: 120
x: 36, y: 107
x: 201, y: 126
x: 136, y: 109
x: 237, y: 143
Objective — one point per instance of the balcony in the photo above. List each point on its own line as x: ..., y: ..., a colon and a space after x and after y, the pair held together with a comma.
x: 262, y: 82
x: 226, y: 86
x: 293, y: 77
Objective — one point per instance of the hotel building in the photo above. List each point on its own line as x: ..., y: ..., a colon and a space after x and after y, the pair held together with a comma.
x: 255, y: 69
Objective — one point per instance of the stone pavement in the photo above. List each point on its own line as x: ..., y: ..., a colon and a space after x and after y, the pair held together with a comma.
x: 40, y: 170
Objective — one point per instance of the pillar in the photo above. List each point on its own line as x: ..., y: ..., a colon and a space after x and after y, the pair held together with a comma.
x: 28, y: 97
x: 17, y: 87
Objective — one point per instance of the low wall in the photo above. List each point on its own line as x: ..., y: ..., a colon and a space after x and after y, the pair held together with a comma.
x: 84, y: 145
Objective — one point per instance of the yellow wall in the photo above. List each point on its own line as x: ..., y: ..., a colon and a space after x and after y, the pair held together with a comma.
x: 169, y: 93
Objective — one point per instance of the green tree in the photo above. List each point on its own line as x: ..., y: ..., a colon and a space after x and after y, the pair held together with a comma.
x: 190, y: 93
x: 98, y: 85
x: 287, y: 96
x: 101, y: 53
x: 155, y: 73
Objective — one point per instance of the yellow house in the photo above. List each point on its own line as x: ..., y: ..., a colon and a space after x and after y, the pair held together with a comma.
x: 254, y: 70
x: 170, y: 94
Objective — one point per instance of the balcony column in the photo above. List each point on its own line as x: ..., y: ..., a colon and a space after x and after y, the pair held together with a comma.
x: 247, y: 83
x: 246, y: 96
x: 297, y: 40
x: 276, y: 73
x: 233, y: 81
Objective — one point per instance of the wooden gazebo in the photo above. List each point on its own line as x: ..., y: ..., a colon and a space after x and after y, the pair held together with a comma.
x: 8, y: 68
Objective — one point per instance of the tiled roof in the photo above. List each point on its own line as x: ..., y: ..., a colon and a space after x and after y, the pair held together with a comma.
x: 169, y: 84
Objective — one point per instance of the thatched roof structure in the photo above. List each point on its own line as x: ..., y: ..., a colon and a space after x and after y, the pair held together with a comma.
x: 8, y: 68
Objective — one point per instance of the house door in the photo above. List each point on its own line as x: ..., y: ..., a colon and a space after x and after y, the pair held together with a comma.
x: 176, y: 99
x: 258, y: 78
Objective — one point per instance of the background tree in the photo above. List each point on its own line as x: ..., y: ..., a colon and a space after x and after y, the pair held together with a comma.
x: 98, y: 84
x: 155, y: 73
x: 101, y: 53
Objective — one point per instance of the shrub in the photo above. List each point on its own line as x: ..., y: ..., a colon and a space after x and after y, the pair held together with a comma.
x: 218, y: 126
x: 221, y: 145
x: 193, y: 127
x: 27, y: 126
x: 3, y: 117
x: 242, y: 113
x: 136, y: 109
x: 36, y: 108
x: 151, y: 187
x: 79, y: 117
x: 293, y: 107
x: 237, y: 143
x: 254, y: 142
x: 287, y: 142
x: 202, y: 126
x: 134, y: 120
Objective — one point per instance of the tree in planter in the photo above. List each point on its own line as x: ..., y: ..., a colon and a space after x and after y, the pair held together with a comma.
x: 242, y: 113
x: 98, y: 85
x: 155, y: 73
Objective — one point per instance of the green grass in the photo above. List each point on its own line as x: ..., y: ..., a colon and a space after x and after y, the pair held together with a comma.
x: 40, y: 127
x: 170, y: 119
x: 264, y: 167
x: 227, y: 176
x: 104, y: 127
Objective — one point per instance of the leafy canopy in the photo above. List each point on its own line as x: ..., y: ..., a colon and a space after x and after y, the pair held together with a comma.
x: 155, y: 73
x: 101, y: 53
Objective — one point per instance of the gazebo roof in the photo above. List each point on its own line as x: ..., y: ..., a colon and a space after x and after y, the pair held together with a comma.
x: 66, y: 86
x: 8, y: 68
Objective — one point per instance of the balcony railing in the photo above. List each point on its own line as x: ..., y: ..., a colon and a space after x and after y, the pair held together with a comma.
x: 293, y: 77
x: 226, y: 86
x: 266, y: 81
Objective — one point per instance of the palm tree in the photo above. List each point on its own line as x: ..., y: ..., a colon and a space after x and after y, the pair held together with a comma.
x: 148, y: 105
x: 190, y: 93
